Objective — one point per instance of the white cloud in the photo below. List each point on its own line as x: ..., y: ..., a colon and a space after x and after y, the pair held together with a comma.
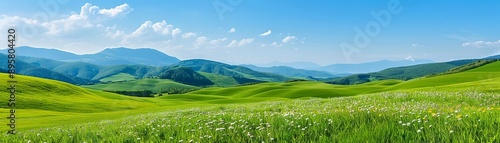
x: 232, y: 30
x: 233, y: 43
x: 176, y: 32
x: 200, y: 41
x: 481, y: 44
x: 161, y: 27
x: 88, y: 17
x: 188, y: 35
x: 150, y: 32
x: 274, y: 44
x: 118, y: 10
x: 218, y: 41
x: 417, y: 45
x: 242, y: 42
x: 115, y: 34
x: 143, y: 29
x: 288, y: 39
x: 266, y: 33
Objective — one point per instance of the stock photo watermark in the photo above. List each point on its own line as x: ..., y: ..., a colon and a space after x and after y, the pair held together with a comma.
x: 11, y: 38
x: 223, y: 6
x: 363, y: 37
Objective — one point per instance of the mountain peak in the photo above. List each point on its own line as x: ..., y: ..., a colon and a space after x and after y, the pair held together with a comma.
x: 107, y: 57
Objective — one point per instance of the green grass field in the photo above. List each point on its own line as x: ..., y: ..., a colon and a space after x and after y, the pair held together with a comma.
x: 460, y: 107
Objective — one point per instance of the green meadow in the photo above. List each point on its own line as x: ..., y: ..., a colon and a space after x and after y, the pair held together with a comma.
x: 459, y: 107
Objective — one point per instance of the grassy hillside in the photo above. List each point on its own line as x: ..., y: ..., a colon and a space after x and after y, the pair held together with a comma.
x: 289, y: 90
x: 382, y: 117
x: 52, y: 95
x: 155, y: 85
x: 466, y: 67
x: 481, y: 78
x: 401, y: 73
x: 44, y: 102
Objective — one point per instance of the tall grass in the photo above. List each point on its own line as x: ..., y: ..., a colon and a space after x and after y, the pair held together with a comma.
x: 407, y: 116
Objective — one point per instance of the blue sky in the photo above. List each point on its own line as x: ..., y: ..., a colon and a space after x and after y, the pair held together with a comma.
x: 264, y: 31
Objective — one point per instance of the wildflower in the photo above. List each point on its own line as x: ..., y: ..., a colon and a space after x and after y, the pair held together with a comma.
x: 451, y: 131
x: 138, y: 138
x: 418, y: 131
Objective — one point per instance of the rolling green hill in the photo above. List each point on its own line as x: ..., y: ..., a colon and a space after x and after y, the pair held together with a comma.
x: 229, y: 70
x: 48, y: 103
x: 401, y: 73
x: 51, y: 95
x: 466, y: 67
x: 155, y: 85
x: 482, y: 78
x: 44, y: 102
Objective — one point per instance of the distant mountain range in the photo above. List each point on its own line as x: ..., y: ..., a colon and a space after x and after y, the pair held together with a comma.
x: 336, y: 69
x: 107, y: 57
x: 401, y: 73
x: 143, y: 63
x: 370, y: 66
x: 291, y: 72
x: 296, y: 65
